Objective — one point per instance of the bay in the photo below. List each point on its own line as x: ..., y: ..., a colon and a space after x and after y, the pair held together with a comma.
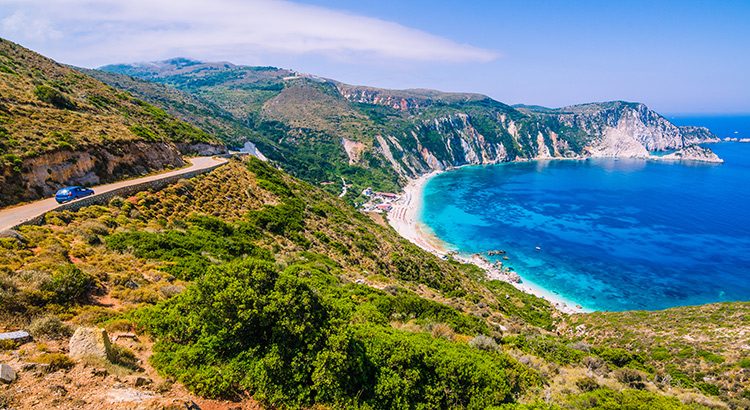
x: 613, y: 234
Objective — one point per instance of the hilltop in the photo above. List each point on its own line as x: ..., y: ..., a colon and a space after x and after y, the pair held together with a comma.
x: 60, y: 127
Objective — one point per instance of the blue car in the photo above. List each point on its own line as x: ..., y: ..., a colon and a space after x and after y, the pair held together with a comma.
x: 72, y: 192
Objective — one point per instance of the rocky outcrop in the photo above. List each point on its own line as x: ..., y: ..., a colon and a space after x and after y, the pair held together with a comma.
x: 90, y: 342
x: 43, y: 175
x: 693, y: 153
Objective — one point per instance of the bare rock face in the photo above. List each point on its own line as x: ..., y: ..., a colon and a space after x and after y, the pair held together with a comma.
x: 90, y: 341
x: 43, y: 175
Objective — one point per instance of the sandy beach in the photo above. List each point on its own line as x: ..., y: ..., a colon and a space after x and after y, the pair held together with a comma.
x: 403, y: 218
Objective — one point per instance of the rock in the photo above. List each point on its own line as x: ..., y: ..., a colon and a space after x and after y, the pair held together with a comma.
x: 360, y: 281
x: 693, y: 153
x: 20, y: 336
x: 514, y: 277
x: 90, y: 341
x: 138, y: 381
x: 124, y: 336
x: 7, y: 374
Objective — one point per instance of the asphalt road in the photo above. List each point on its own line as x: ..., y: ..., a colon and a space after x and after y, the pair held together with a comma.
x: 11, y: 217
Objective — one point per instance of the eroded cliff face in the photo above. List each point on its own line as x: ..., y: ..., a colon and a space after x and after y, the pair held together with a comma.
x: 615, y: 129
x: 42, y: 176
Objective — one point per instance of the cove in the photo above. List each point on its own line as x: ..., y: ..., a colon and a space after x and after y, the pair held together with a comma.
x: 613, y: 234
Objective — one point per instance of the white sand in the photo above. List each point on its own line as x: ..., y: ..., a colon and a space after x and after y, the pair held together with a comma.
x: 403, y: 218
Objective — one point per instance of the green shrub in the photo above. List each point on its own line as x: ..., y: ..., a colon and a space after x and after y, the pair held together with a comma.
x: 661, y: 354
x: 243, y: 327
x: 70, y: 285
x: 711, y: 357
x: 744, y: 363
x: 54, y: 97
x: 708, y: 388
x: 605, y: 399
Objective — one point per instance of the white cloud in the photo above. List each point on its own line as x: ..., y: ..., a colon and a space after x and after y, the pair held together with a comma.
x: 133, y: 29
x: 28, y: 28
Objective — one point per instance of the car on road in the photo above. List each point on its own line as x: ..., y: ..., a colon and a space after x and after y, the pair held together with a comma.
x: 72, y: 192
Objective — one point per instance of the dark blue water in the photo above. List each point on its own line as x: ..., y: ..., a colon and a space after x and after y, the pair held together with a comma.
x: 724, y: 126
x: 614, y: 234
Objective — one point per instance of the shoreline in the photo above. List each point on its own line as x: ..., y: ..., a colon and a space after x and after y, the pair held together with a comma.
x: 404, y: 219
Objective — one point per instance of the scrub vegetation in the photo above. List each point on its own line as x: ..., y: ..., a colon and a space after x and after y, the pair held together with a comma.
x: 254, y: 283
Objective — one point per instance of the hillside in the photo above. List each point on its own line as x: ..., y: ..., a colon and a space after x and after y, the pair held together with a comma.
x: 320, y: 129
x: 60, y: 127
x: 254, y: 284
x: 249, y: 288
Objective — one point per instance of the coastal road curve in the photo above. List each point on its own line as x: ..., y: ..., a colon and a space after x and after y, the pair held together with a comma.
x: 16, y: 215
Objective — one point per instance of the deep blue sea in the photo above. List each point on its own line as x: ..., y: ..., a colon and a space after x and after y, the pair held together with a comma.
x: 614, y: 234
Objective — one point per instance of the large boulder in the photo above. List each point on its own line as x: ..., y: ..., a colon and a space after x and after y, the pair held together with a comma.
x: 7, y: 374
x: 91, y: 342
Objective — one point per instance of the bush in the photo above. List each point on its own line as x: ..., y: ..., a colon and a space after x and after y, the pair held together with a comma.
x: 70, y: 285
x: 54, y: 97
x: 483, y: 342
x: 587, y: 384
x: 56, y: 361
x: 243, y: 328
x: 49, y: 326
x: 124, y: 357
x: 708, y: 389
x: 631, y: 378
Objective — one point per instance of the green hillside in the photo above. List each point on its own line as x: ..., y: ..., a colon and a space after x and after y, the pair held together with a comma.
x: 54, y: 115
x: 253, y: 282
x: 47, y: 107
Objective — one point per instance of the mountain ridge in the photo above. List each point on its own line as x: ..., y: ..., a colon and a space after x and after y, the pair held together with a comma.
x: 407, y: 133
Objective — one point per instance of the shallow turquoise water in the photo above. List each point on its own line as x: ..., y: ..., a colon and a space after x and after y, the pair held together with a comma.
x: 614, y: 234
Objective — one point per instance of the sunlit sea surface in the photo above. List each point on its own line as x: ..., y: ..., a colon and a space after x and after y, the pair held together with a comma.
x: 613, y: 234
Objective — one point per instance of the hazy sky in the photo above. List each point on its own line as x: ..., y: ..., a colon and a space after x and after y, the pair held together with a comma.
x: 678, y: 56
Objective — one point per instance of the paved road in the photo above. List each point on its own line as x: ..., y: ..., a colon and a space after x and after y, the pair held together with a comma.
x: 13, y: 216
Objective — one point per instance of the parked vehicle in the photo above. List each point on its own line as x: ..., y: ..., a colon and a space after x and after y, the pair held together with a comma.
x: 72, y: 192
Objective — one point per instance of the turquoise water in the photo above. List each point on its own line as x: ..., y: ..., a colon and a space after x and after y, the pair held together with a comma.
x: 613, y: 234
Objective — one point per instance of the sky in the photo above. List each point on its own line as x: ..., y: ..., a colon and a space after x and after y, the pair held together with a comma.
x: 676, y: 56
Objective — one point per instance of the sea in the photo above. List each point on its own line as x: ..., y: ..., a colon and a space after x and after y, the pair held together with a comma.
x: 610, y: 234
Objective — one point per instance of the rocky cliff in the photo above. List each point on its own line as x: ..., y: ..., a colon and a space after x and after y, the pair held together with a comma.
x: 493, y: 133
